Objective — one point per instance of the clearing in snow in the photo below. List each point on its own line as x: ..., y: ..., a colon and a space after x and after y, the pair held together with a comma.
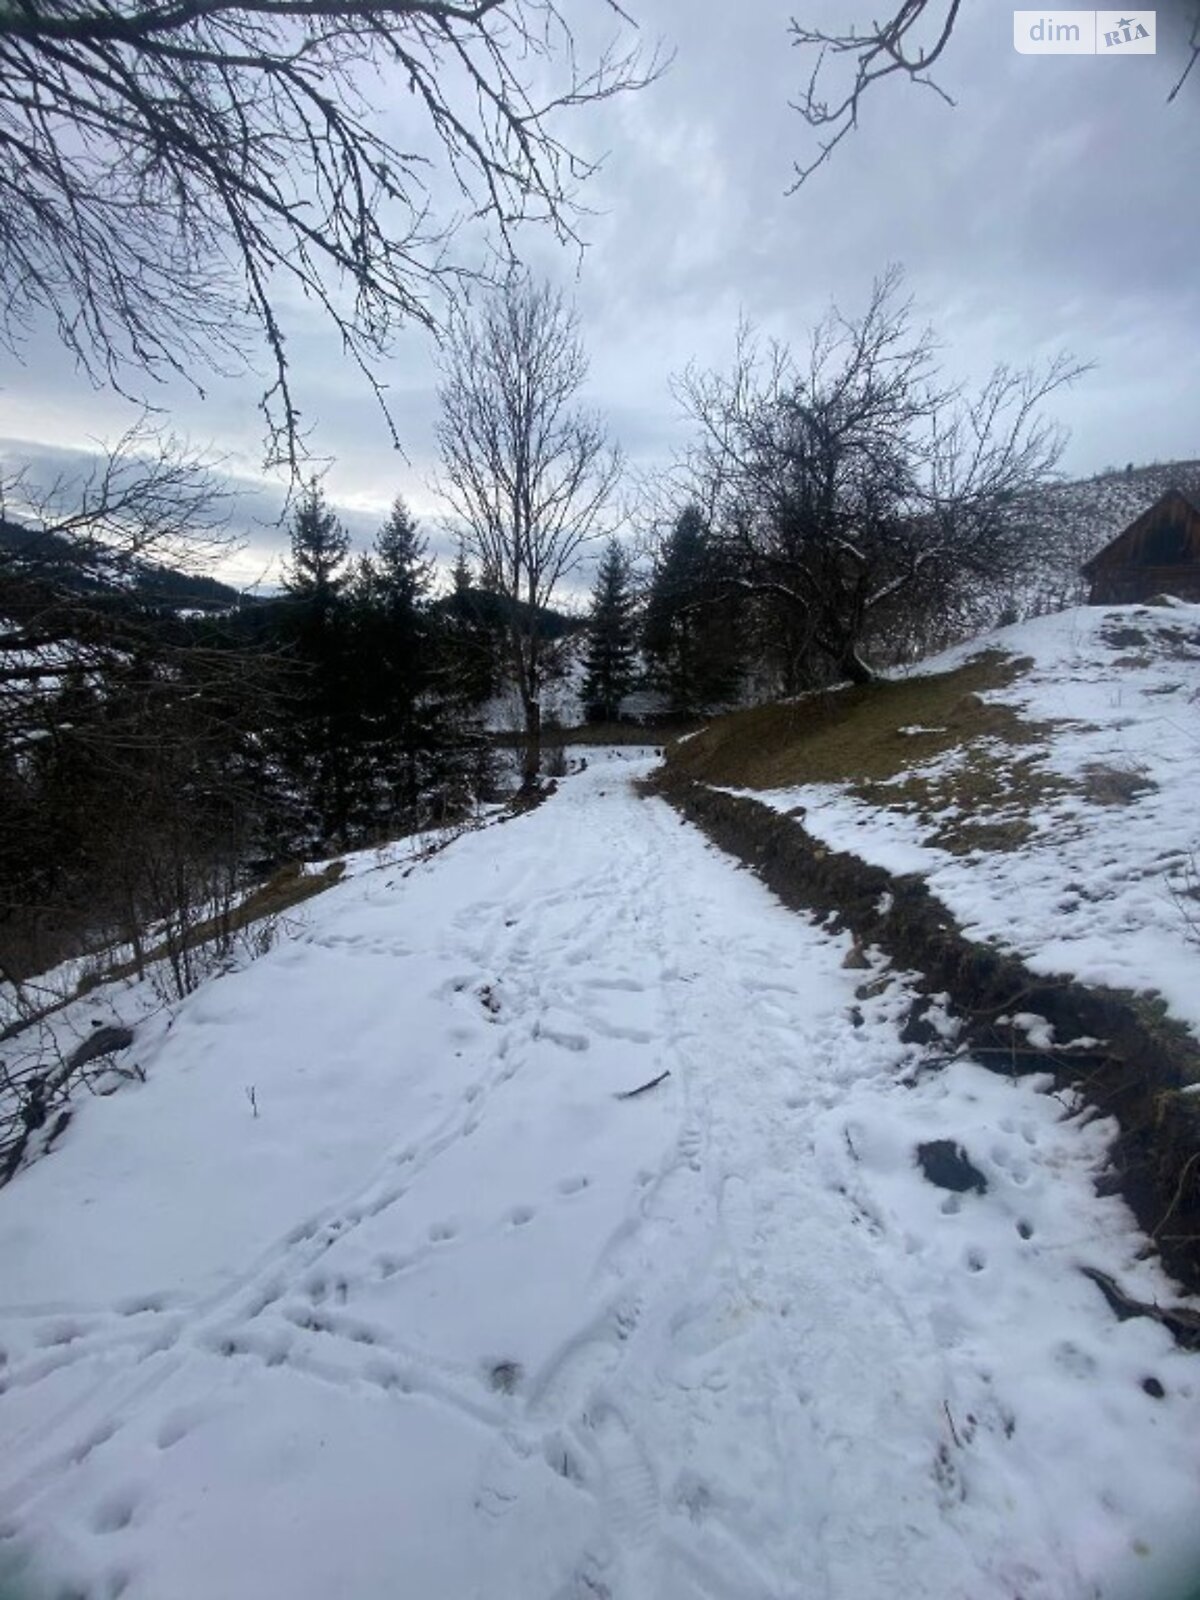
x: 387, y: 1282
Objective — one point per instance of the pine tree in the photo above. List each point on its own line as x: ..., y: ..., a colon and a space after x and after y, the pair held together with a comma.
x: 690, y: 629
x: 464, y: 674
x: 402, y: 557
x: 321, y: 744
x: 395, y: 662
x: 610, y: 656
x: 320, y: 547
x: 470, y: 645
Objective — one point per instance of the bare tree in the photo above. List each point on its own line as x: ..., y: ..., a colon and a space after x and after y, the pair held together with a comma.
x: 172, y: 170
x: 858, y: 481
x: 908, y: 43
x: 528, y: 472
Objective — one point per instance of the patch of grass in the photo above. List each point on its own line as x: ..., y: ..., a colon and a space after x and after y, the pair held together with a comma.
x: 284, y: 889
x: 970, y: 770
x: 1104, y: 785
x: 1171, y: 641
x: 871, y: 733
x: 1120, y: 636
x: 981, y: 801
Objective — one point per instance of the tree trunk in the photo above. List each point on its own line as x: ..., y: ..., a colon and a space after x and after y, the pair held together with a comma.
x: 852, y: 665
x: 842, y: 648
x: 532, y: 764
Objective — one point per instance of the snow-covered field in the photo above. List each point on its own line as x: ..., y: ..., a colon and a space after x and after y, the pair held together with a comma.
x: 1107, y: 889
x: 385, y: 1283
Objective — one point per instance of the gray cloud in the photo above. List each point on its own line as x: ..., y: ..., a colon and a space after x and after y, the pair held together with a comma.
x: 1052, y: 207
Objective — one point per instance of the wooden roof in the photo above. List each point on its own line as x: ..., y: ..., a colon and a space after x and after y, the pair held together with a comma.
x: 1172, y: 509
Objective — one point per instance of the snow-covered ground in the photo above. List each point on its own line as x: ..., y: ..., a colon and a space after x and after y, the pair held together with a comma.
x: 562, y: 693
x: 385, y: 1283
x: 1108, y: 887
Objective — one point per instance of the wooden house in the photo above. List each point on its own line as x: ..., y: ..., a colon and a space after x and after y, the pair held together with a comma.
x: 1158, y: 553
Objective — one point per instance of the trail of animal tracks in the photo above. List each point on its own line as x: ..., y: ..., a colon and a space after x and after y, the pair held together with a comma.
x: 444, y: 1309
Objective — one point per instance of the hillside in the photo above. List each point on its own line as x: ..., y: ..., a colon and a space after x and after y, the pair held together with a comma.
x: 1109, y: 501
x: 1077, y: 518
x: 1041, y: 780
x: 89, y: 569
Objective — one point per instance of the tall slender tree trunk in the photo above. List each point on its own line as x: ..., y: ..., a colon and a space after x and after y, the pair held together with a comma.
x: 527, y: 655
x: 532, y: 763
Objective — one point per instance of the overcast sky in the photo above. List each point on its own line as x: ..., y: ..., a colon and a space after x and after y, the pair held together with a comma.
x: 1053, y: 207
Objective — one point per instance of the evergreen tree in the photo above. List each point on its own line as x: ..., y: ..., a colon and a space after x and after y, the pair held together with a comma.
x: 470, y: 645
x: 402, y: 558
x: 320, y: 547
x: 690, y: 630
x: 321, y: 743
x: 610, y: 654
x: 394, y: 666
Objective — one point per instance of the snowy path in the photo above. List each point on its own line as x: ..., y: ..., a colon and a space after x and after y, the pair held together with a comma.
x: 451, y: 1318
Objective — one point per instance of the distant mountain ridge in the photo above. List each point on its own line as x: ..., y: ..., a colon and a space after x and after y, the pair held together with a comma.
x: 88, y: 568
x: 1081, y: 516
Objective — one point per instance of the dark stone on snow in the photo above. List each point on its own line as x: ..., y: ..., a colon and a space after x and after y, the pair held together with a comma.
x: 104, y: 1042
x: 945, y: 1163
x: 1153, y: 1388
x: 918, y: 1029
x: 505, y: 1376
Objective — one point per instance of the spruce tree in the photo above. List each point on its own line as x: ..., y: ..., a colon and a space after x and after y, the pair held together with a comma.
x: 398, y: 672
x: 610, y: 665
x: 470, y: 644
x: 321, y: 744
x: 320, y: 547
x: 402, y: 558
x: 690, y: 630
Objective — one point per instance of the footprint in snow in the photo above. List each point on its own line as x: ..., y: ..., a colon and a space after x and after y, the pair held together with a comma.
x: 115, y: 1513
x: 94, y: 1440
x: 176, y: 1425
x: 62, y: 1333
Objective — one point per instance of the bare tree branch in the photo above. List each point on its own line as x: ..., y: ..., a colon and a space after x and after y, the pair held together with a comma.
x: 908, y: 43
x: 527, y: 472
x: 856, y: 480
x: 899, y: 45
x: 170, y: 173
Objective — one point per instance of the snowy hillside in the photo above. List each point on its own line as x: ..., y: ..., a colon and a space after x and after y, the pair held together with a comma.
x: 1080, y: 517
x: 1083, y: 852
x: 549, y: 1221
x: 1110, y: 501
